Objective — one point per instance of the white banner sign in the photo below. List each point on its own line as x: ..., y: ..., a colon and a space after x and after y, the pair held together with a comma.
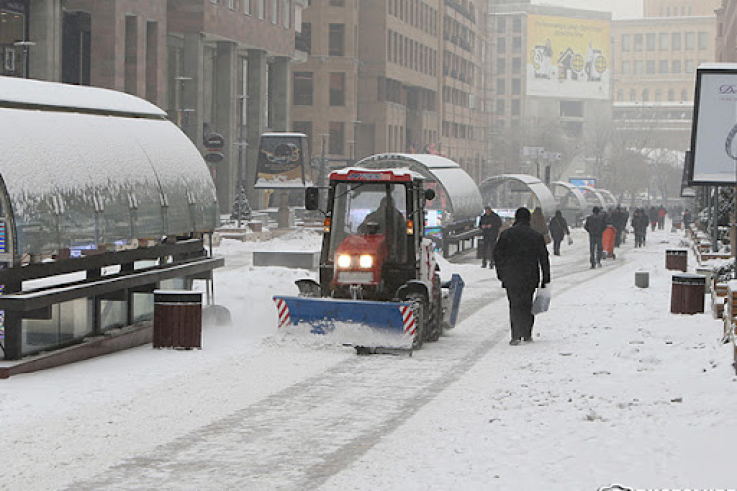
x: 714, y: 136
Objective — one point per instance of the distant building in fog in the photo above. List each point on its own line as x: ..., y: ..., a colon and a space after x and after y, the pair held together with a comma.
x: 655, y: 65
x: 726, y: 37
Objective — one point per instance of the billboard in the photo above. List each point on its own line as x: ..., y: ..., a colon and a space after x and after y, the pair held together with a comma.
x: 713, y: 142
x: 283, y: 161
x: 583, y: 181
x: 568, y: 57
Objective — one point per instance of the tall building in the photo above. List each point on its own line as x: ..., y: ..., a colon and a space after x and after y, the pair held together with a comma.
x: 216, y: 66
x: 375, y: 75
x: 655, y: 65
x: 463, y: 116
x: 549, y: 83
x: 726, y: 37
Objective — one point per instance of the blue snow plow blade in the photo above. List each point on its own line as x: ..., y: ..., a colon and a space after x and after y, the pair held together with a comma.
x: 353, y: 322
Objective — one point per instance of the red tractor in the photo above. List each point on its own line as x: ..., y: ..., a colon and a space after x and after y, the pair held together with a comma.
x: 379, y: 285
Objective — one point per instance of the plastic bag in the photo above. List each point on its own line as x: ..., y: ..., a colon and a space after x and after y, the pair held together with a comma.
x: 541, y: 303
x: 570, y: 240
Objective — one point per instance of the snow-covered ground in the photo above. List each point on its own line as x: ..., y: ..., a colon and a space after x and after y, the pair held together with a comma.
x: 614, y: 389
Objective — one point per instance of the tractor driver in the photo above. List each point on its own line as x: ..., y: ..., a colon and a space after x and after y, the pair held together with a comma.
x: 376, y: 223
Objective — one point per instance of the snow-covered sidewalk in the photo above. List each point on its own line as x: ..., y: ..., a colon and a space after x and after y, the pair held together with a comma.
x: 614, y: 389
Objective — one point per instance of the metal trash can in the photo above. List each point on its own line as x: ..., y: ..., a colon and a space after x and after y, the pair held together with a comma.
x: 642, y: 279
x: 687, y: 294
x: 676, y: 259
x: 177, y: 319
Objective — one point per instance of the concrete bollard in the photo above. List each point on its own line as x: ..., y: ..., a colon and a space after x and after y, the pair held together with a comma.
x: 642, y: 279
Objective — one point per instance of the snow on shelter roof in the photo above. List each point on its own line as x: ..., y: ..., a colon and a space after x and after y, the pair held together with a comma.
x: 97, y: 176
x: 460, y: 189
x: 15, y: 92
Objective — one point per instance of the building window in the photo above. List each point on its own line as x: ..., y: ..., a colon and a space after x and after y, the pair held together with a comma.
x: 650, y: 41
x: 516, y: 107
x: 337, y: 89
x: 305, y: 38
x: 336, y: 40
x: 690, y: 66
x: 690, y: 40
x: 638, y: 42
x: 287, y: 14
x: 516, y: 44
x: 684, y: 95
x: 501, y: 44
x: 676, y: 67
x: 501, y: 65
x: 633, y: 95
x: 650, y: 67
x: 501, y: 86
x: 337, y: 138
x: 663, y: 41
x: 516, y: 86
x: 639, y: 67
x: 274, y: 11
x: 500, y: 107
x: 671, y: 95
x: 517, y: 24
x: 501, y: 25
x: 663, y: 66
x: 658, y: 95
x: 703, y: 40
x: 676, y: 41
x: 626, y: 70
x: 626, y: 42
x: 261, y: 9
x: 247, y: 7
x: 620, y: 95
x: 645, y: 95
x: 516, y: 65
x: 303, y: 87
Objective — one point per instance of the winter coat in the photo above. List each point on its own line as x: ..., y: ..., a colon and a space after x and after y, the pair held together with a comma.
x: 595, y: 225
x: 537, y: 222
x: 639, y: 223
x: 490, y: 225
x: 558, y: 227
x: 519, y: 256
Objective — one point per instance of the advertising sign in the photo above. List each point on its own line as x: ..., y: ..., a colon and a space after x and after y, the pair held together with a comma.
x: 713, y: 141
x: 583, y: 181
x: 283, y: 161
x: 568, y: 57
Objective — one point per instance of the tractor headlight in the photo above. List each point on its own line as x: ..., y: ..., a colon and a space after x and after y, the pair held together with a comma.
x: 366, y: 261
x: 344, y: 261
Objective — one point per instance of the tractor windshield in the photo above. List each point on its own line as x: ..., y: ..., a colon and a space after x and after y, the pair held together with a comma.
x: 371, y: 208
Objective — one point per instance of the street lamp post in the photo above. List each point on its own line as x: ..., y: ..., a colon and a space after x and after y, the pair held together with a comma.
x: 26, y: 45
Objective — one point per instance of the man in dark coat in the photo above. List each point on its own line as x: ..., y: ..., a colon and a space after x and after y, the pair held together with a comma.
x: 558, y: 230
x: 489, y: 223
x: 519, y: 255
x: 595, y: 226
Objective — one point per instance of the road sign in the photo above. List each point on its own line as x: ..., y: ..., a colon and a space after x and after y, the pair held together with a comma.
x: 214, y: 141
x: 214, y: 157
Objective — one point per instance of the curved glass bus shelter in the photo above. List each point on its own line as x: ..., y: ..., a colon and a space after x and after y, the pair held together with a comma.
x: 458, y: 201
x: 84, y: 171
x: 515, y: 190
x: 570, y: 201
x: 593, y: 198
x: 89, y: 168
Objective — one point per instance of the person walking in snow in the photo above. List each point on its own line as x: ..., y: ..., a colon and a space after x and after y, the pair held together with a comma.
x: 558, y: 230
x: 489, y: 223
x: 595, y: 226
x: 520, y: 256
x: 537, y: 222
x: 639, y: 225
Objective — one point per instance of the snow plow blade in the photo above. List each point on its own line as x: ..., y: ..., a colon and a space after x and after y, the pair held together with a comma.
x: 358, y: 323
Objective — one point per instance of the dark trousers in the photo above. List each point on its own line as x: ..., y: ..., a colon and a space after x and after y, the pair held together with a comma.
x: 520, y: 311
x: 595, y: 249
x: 487, y: 250
x: 556, y: 245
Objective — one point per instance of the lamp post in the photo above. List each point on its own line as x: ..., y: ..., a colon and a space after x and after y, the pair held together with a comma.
x: 26, y: 45
x: 181, y: 111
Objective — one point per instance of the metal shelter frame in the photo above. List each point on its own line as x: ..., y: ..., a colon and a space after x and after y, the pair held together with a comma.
x: 541, y: 192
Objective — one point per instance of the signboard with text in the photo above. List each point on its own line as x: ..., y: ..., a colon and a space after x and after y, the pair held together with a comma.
x: 714, y: 130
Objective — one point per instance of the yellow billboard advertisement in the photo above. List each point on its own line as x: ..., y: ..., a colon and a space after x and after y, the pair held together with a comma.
x: 568, y: 57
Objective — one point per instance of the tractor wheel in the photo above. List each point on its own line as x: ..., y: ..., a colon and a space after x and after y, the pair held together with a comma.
x: 435, y: 322
x: 418, y: 309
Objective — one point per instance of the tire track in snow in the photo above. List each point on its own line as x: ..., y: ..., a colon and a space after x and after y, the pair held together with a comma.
x: 300, y: 437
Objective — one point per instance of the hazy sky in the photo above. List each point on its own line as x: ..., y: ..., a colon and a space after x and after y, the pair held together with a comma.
x: 621, y: 9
